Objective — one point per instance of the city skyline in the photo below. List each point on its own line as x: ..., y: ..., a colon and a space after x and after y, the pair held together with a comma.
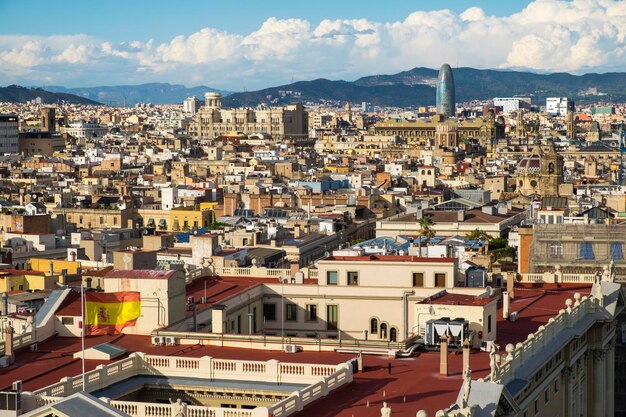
x: 282, y: 44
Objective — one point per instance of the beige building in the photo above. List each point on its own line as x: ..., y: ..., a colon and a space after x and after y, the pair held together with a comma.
x: 284, y: 122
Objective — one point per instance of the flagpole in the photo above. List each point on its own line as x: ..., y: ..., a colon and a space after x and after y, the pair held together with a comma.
x: 82, y: 333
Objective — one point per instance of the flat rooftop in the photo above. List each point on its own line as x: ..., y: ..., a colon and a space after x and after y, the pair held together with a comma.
x: 414, y: 383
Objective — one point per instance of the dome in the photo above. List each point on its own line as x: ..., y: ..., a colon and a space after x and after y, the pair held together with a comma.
x: 530, y: 164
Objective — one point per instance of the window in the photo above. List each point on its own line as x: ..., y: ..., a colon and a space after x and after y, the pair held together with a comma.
x: 489, y: 323
x: 67, y: 320
x: 101, y: 220
x: 331, y: 277
x: 616, y: 251
x: 586, y: 251
x: 536, y: 406
x: 332, y: 312
x: 114, y: 220
x: 353, y: 278
x: 383, y: 330
x: 556, y: 386
x: 546, y: 396
x: 291, y: 312
x: 393, y: 334
x: 418, y: 279
x: 269, y: 311
x: 311, y: 312
x: 440, y: 280
x: 374, y: 326
x: 556, y: 250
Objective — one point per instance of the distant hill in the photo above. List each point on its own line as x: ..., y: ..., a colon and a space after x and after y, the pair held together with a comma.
x: 416, y: 87
x: 156, y: 93
x: 18, y: 94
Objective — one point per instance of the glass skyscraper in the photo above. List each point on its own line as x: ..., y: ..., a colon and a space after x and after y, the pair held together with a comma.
x: 445, y: 92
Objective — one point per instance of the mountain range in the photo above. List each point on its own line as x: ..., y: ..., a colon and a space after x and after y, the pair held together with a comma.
x: 18, y: 94
x: 417, y: 87
x: 156, y: 93
x: 411, y: 88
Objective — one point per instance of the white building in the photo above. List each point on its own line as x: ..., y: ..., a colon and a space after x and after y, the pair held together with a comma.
x: 191, y: 105
x: 511, y: 104
x: 85, y: 130
x: 557, y: 106
x: 8, y: 134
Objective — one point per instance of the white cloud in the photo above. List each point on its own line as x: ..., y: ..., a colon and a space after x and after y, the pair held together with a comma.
x: 548, y: 35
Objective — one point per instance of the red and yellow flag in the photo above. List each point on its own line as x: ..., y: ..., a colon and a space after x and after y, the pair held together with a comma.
x: 109, y: 313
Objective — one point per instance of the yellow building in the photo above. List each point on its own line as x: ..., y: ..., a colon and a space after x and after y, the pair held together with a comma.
x: 58, y: 266
x: 14, y: 280
x: 178, y: 219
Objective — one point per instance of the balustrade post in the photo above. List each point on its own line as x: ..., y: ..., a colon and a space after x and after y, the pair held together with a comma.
x: 206, y: 367
x: 273, y: 370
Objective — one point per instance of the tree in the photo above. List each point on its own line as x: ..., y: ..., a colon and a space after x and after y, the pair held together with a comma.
x: 479, y: 235
x: 425, y: 223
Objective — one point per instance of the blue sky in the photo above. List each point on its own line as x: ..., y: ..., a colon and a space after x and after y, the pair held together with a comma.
x: 259, y: 43
x: 161, y: 20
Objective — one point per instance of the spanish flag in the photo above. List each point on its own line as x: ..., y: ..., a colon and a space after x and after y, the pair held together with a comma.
x: 109, y: 313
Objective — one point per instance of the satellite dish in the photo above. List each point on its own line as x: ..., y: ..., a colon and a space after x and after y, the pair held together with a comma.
x: 326, y: 254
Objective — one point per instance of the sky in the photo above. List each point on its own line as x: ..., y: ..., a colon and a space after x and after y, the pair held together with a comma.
x: 251, y: 44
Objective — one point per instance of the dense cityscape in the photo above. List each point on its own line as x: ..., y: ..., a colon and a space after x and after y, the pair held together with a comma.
x: 216, y: 256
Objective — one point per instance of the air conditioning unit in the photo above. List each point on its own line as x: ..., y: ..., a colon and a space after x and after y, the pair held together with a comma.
x: 170, y: 341
x: 33, y: 347
x: 4, y: 361
x: 513, y: 316
x: 158, y: 340
x: 17, y: 386
x: 291, y: 348
x: 202, y: 300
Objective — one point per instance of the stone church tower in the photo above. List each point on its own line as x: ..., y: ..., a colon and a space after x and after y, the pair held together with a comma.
x: 540, y: 172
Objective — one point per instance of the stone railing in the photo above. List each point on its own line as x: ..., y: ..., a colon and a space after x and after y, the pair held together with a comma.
x: 19, y: 341
x: 557, y: 277
x: 267, y: 342
x: 258, y: 272
x: 516, y: 355
x: 320, y: 380
x: 138, y: 409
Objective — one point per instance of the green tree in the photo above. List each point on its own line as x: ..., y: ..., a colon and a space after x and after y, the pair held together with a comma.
x: 426, y: 224
x: 478, y: 234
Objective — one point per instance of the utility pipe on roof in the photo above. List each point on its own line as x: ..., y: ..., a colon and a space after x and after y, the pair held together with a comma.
x: 405, y: 306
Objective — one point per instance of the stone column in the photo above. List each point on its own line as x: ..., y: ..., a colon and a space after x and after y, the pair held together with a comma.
x: 610, y: 379
x: 566, y: 387
x: 599, y: 379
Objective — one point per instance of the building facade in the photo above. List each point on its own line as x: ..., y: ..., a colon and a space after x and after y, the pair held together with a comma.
x: 9, y: 138
x: 284, y: 122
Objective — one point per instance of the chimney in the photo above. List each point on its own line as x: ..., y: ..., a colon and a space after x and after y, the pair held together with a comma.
x: 510, y: 284
x: 8, y: 343
x: 294, y: 267
x: 443, y: 356
x: 466, y: 354
x: 460, y: 215
x: 505, y: 304
x: 51, y: 268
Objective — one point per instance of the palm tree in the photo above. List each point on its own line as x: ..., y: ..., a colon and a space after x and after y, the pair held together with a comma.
x: 426, y: 223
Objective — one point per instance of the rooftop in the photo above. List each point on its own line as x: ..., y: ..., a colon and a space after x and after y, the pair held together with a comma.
x: 414, y: 383
x: 388, y: 258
